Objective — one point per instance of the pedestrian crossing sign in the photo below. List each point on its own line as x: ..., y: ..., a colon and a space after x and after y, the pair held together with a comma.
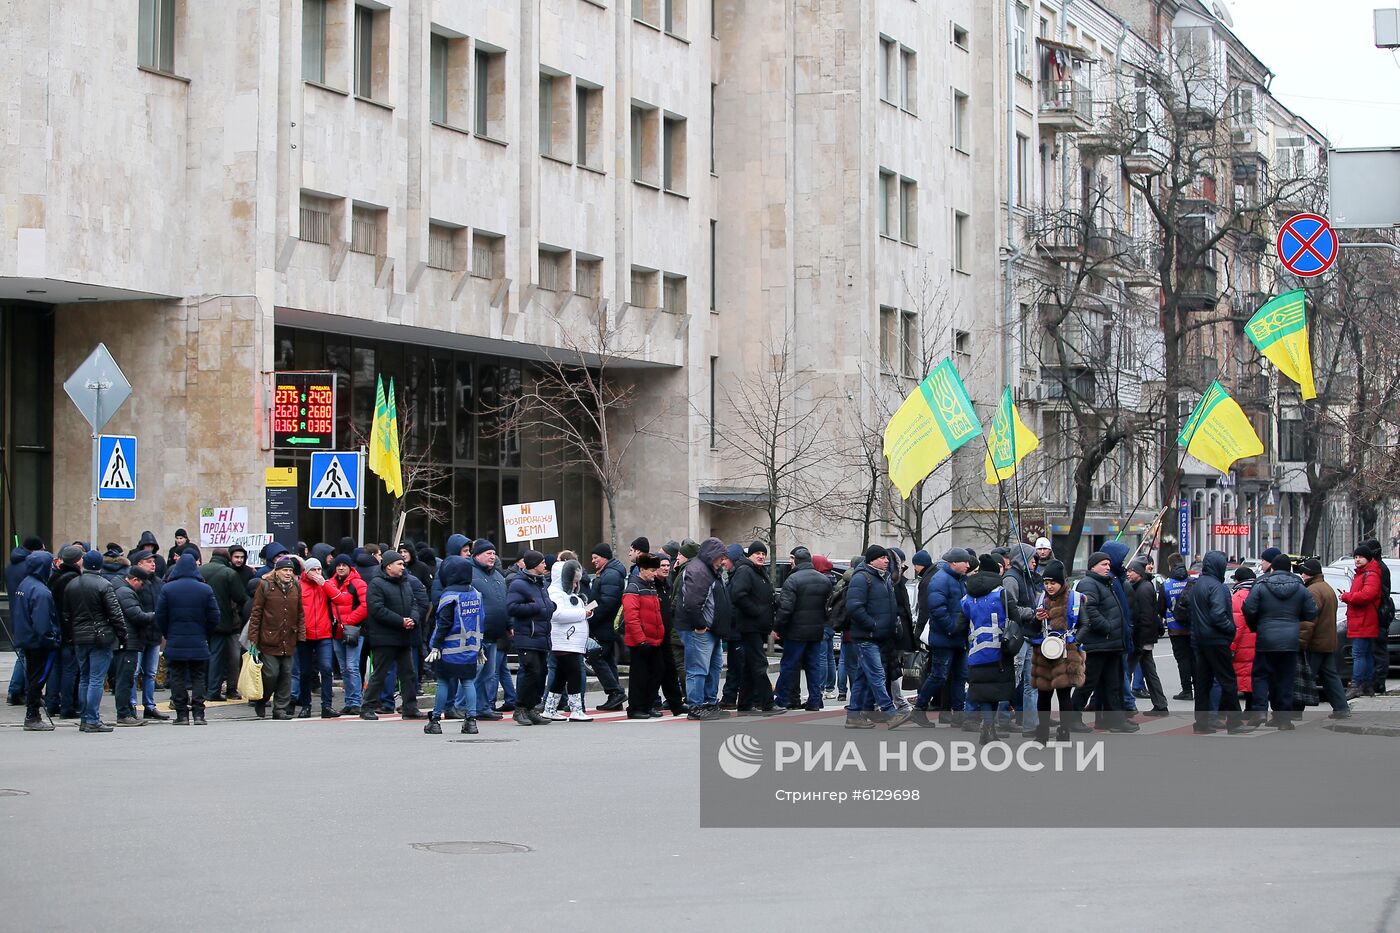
x: 116, y: 458
x: 335, y: 480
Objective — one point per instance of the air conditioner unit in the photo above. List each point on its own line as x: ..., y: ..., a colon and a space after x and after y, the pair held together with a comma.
x: 1106, y: 493
x: 1279, y: 472
x: 1243, y: 137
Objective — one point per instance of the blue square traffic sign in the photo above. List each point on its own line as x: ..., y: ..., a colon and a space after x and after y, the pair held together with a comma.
x: 116, y: 459
x: 335, y: 480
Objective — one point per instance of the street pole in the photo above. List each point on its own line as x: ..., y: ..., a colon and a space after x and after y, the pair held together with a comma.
x: 360, y: 539
x: 97, y: 388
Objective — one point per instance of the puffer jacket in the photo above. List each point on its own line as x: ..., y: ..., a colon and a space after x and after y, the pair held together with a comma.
x: 1320, y: 634
x: 870, y: 605
x: 187, y: 613
x: 95, y: 618
x: 275, y: 624
x: 751, y: 595
x: 349, y: 598
x: 1147, y: 624
x: 1212, y: 621
x: 801, y: 615
x: 704, y: 602
x: 568, y: 627
x: 608, y: 587
x: 391, y: 600
x: 316, y: 607
x: 491, y: 584
x: 32, y: 612
x: 1022, y: 585
x: 946, y: 626
x: 1243, y: 645
x: 530, y: 610
x: 1363, y: 602
x: 1102, y: 626
x: 641, y: 615
x: 1275, y: 609
x: 230, y: 592
x: 139, y: 611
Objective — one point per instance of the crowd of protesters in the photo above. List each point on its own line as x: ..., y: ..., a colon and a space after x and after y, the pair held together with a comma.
x: 995, y: 640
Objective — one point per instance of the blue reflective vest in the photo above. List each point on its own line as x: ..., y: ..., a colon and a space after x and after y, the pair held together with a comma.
x: 1076, y: 602
x: 461, y: 647
x: 986, y: 617
x: 1173, y: 588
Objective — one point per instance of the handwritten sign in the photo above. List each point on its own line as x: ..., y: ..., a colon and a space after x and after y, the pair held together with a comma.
x: 530, y: 521
x: 219, y: 526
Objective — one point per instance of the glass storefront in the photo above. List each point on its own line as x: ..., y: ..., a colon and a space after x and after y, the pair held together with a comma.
x: 460, y: 467
x: 26, y: 406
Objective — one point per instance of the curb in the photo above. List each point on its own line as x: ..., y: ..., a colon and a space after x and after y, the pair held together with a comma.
x: 1357, y: 729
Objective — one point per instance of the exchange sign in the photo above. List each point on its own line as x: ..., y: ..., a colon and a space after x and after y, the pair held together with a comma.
x: 303, y: 411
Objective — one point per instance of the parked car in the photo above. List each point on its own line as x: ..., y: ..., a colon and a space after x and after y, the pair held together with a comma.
x: 1339, y: 574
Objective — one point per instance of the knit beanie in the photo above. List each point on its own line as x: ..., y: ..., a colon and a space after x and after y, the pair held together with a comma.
x: 92, y: 561
x: 989, y: 563
x: 604, y: 550
x: 1054, y: 570
x: 874, y: 553
x: 1282, y: 563
x: 672, y: 548
x: 641, y: 544
x: 481, y: 547
x: 690, y: 548
x: 758, y: 547
x: 922, y: 559
x: 1097, y: 558
x: 735, y: 552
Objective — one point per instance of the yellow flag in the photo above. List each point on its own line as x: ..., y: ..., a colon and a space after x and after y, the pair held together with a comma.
x: 1008, y: 442
x: 1218, y: 433
x: 393, y: 479
x: 1280, y: 331
x: 936, y: 419
x: 378, y: 430
x: 384, y: 440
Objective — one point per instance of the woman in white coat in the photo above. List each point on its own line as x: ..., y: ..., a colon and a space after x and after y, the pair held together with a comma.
x: 568, y: 638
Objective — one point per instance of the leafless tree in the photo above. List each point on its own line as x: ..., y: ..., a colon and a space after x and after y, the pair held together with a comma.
x: 423, y: 480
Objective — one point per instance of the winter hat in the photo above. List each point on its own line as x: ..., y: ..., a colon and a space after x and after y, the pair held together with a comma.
x: 1282, y: 563
x: 690, y: 548
x: 240, y: 549
x: 192, y: 549
x: 989, y: 563
x: 311, y: 563
x: 735, y: 552
x: 641, y: 544
x: 896, y: 555
x: 114, y: 550
x: 1139, y: 567
x: 181, y: 533
x: 758, y: 547
x: 821, y: 563
x: 92, y: 561
x: 604, y: 551
x: 1097, y: 558
x: 481, y: 547
x: 649, y: 562
x: 1361, y: 551
x: 390, y: 558
x: 1043, y: 543
x: 874, y: 553
x: 958, y: 555
x: 1242, y: 573
x: 71, y: 554
x: 138, y: 573
x: 922, y: 559
x: 1312, y: 567
x: 800, y: 553
x: 1269, y: 554
x: 672, y: 548
x: 1053, y: 570
x: 532, y: 559
x: 32, y: 543
x: 344, y: 560
x: 287, y: 561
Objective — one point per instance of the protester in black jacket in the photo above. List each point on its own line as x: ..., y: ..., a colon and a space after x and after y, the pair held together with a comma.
x: 98, y: 629
x: 1147, y: 627
x: 530, y: 609
x: 136, y: 597
x: 1103, y: 636
x: 61, y: 688
x: 1212, y: 631
x: 801, y: 621
x: 1275, y: 610
x: 751, y: 594
x: 609, y: 581
x: 389, y: 630
x: 187, y: 613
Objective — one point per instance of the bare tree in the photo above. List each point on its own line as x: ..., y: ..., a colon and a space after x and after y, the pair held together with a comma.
x: 423, y: 480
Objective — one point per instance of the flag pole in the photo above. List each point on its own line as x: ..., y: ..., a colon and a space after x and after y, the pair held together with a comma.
x: 1011, y: 519
x: 360, y: 538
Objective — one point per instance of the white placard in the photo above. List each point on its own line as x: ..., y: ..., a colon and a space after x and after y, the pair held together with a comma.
x: 530, y: 521
x: 253, y: 544
x: 219, y: 526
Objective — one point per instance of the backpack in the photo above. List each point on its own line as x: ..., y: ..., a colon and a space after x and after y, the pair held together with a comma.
x: 836, y: 607
x: 1385, y: 612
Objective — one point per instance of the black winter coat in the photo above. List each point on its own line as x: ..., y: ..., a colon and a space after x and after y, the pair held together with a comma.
x: 139, y: 613
x: 63, y: 575
x: 607, y: 590
x: 230, y: 592
x: 751, y: 595
x: 1102, y: 624
x: 390, y: 601
x: 801, y: 612
x: 700, y: 588
x: 1147, y: 623
x: 921, y: 594
x: 870, y: 605
x: 1212, y: 615
x: 530, y: 610
x: 905, y: 634
x: 94, y: 617
x: 1273, y: 609
x: 187, y: 613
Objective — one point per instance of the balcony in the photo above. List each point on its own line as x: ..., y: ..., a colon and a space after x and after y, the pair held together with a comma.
x: 1254, y: 390
x: 1247, y: 154
x: 1066, y: 106
x: 1197, y: 288
x: 1059, y: 385
x: 1059, y: 235
x: 1146, y: 156
x: 1085, y: 342
x: 1197, y: 371
x: 1118, y: 254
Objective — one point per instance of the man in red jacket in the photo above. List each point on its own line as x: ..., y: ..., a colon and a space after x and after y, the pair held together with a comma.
x: 349, y: 606
x: 314, y: 654
x: 1363, y: 621
x: 644, y: 634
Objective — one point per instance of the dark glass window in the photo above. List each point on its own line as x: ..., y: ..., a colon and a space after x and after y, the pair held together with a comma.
x: 464, y: 409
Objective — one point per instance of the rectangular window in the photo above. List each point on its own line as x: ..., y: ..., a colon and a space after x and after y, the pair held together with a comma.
x: 555, y: 113
x: 908, y: 80
x: 1020, y: 39
x: 714, y: 88
x: 960, y: 37
x: 1289, y: 158
x: 588, y: 117
x: 714, y: 266
x: 155, y: 42
x: 313, y: 40
x: 714, y: 437
x: 889, y: 57
x: 646, y: 158
x: 315, y: 219
x: 437, y: 78
x: 889, y: 338
x: 1023, y: 167
x: 490, y: 92
x: 960, y: 241
x: 673, y: 17
x: 962, y: 352
x: 889, y: 201
x: 488, y: 255
x: 364, y: 52
x: 647, y: 11
x: 443, y: 246
x: 674, y: 298
x: 364, y: 229
x: 673, y: 170
x: 962, y: 129
x: 554, y: 269
x: 909, y: 344
x: 588, y: 277
x: 908, y: 210
x: 643, y: 288
x: 448, y: 71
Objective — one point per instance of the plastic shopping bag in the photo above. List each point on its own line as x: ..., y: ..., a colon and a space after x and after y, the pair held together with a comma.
x: 250, y: 683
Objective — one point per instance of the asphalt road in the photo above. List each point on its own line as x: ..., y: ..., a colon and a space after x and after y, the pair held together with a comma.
x: 321, y: 825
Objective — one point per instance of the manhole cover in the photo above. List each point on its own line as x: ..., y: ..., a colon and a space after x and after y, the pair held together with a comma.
x: 483, y: 741
x: 472, y: 848
x: 11, y: 792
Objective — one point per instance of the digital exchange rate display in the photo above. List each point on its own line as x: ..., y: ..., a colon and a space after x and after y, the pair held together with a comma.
x: 303, y: 411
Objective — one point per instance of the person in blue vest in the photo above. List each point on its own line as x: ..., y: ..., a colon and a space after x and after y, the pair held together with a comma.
x: 947, y: 635
x: 1178, y: 620
x: 455, y: 646
x: 991, y: 662
x: 1057, y: 615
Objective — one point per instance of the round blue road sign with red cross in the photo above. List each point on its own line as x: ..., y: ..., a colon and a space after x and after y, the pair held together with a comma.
x: 1307, y: 245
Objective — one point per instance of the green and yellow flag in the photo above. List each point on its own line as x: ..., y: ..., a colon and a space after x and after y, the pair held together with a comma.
x: 384, y: 439
x: 1280, y: 331
x: 1218, y: 432
x: 1009, y: 441
x: 935, y: 420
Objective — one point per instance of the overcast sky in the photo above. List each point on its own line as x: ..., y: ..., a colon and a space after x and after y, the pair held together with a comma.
x: 1326, y: 65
